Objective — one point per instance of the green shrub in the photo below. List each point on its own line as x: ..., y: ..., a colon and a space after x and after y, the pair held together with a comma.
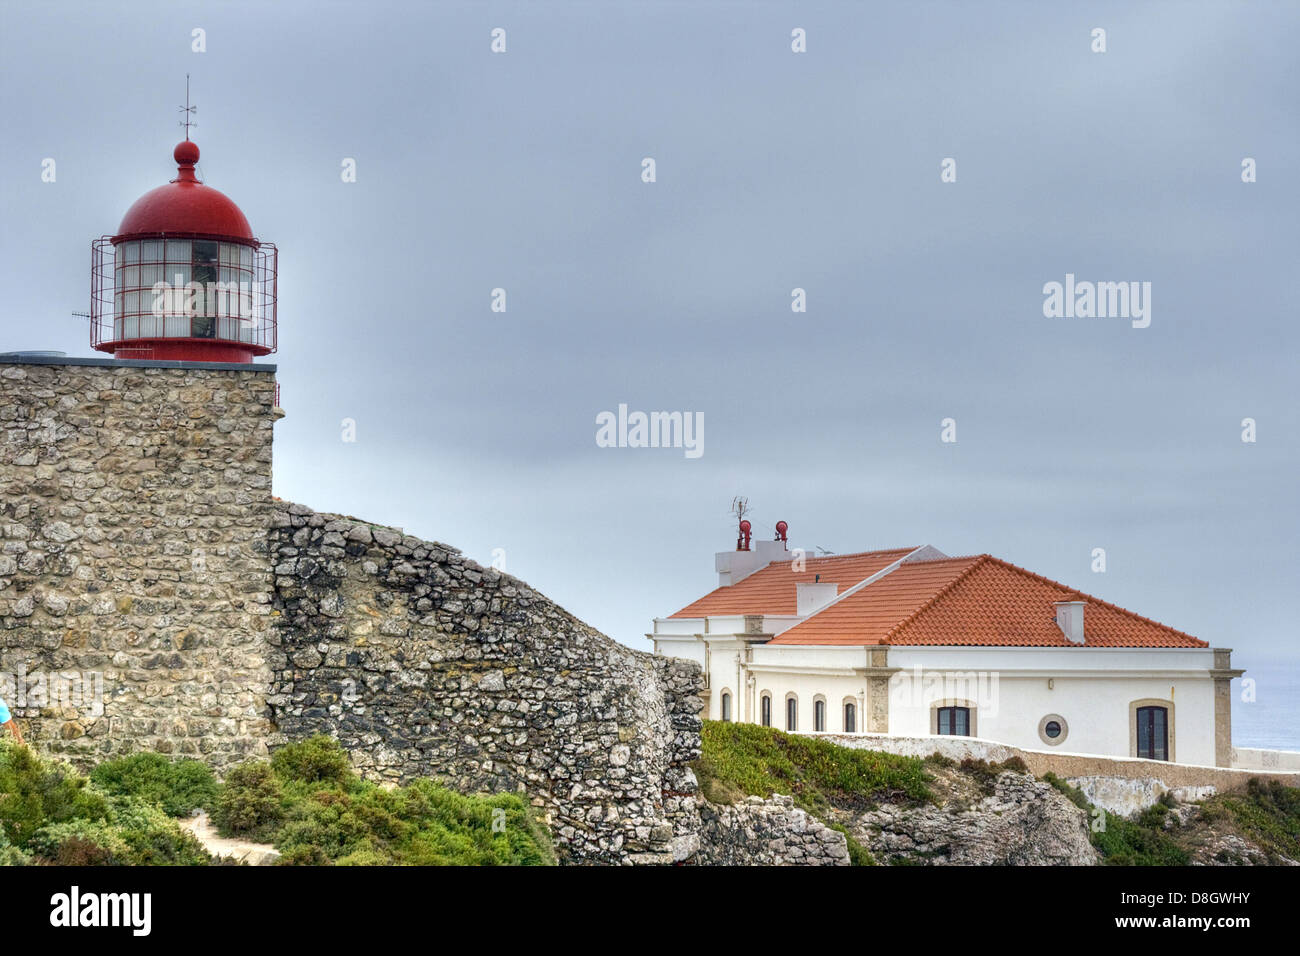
x: 11, y: 855
x: 1138, y: 843
x: 421, y: 824
x: 178, y: 787
x: 80, y: 843
x: 250, y: 803
x: 318, y: 759
x: 154, y: 838
x: 308, y: 803
x: 37, y: 793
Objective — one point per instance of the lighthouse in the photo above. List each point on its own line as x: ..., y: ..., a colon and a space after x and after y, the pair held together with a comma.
x: 184, y: 278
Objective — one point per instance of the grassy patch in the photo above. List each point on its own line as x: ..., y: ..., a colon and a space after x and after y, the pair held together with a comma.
x: 1267, y: 814
x: 1074, y: 794
x: 739, y: 760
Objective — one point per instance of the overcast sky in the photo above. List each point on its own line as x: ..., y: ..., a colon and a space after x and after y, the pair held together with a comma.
x: 775, y: 171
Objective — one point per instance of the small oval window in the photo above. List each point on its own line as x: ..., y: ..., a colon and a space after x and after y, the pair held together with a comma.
x: 1053, y: 729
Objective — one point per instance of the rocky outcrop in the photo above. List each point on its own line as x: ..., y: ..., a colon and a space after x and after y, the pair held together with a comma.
x: 1006, y: 818
x: 774, y: 832
x: 1126, y: 796
x: 423, y: 663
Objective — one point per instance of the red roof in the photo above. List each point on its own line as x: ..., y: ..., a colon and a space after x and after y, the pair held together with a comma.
x: 771, y: 590
x: 185, y: 207
x: 977, y: 601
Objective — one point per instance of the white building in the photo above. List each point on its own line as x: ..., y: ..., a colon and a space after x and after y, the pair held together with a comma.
x: 911, y: 641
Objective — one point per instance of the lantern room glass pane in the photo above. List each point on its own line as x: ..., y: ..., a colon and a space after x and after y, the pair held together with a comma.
x: 130, y: 252
x: 245, y: 257
x: 179, y: 250
x: 151, y: 250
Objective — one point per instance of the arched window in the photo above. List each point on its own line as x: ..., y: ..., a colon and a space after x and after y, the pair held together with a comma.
x: 765, y: 710
x: 819, y: 715
x: 726, y: 706
x: 1151, y: 728
x: 792, y: 713
x: 850, y: 717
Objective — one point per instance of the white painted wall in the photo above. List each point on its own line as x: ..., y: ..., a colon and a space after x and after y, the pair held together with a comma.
x: 1091, y: 688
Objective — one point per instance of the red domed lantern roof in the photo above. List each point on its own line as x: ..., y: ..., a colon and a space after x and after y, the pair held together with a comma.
x: 185, y: 207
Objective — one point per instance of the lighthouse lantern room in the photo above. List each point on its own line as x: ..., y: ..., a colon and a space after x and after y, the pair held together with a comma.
x: 184, y: 278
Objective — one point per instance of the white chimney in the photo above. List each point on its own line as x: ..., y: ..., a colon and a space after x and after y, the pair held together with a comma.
x: 1069, y: 618
x: 814, y: 596
x: 734, y: 566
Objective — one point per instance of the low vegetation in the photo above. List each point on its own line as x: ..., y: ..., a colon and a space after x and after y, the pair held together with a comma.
x: 315, y: 810
x: 739, y: 760
x: 1266, y: 816
x: 49, y: 814
x: 305, y: 800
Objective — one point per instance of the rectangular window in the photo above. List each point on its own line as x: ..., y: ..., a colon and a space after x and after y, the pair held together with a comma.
x: 819, y: 715
x: 954, y: 721
x: 765, y: 711
x: 1153, y: 733
x: 791, y: 714
x: 850, y: 719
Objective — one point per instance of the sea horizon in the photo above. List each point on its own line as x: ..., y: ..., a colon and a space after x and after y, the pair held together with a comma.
x: 1272, y: 720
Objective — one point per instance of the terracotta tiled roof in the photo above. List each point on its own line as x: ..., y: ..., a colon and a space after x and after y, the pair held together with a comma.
x: 974, y: 601
x: 869, y: 616
x: 770, y: 590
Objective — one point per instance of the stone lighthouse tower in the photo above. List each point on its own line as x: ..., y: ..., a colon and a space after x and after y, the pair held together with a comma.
x: 184, y: 279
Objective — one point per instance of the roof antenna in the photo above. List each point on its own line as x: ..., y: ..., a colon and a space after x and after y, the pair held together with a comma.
x: 739, y: 507
x: 187, y: 110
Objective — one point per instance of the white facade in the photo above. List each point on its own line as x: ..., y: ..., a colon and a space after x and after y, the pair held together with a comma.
x: 1079, y: 698
x: 1011, y: 691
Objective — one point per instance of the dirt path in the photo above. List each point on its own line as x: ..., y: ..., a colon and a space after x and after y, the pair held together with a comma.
x: 254, y: 854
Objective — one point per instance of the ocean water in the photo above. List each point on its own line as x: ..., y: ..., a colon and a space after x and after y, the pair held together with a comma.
x: 1272, y: 721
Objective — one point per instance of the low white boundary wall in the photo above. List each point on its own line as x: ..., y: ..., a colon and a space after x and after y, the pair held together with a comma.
x: 1246, y: 758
